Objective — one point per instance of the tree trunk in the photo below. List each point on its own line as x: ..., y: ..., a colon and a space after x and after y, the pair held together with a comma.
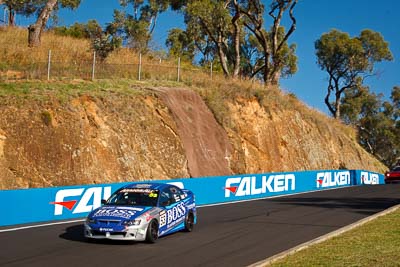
x: 328, y: 104
x: 11, y: 18
x: 222, y: 55
x: 267, y: 68
x: 275, y: 77
x: 236, y: 38
x: 337, y: 105
x: 35, y: 30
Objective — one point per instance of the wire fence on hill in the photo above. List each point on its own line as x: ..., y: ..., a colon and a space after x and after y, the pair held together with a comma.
x: 95, y: 69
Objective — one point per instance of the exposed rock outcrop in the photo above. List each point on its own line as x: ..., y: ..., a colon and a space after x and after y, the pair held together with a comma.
x: 160, y: 133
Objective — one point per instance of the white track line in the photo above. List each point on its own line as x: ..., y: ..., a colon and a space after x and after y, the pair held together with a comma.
x: 39, y: 225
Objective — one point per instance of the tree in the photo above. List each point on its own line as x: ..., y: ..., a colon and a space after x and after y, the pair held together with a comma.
x: 137, y: 28
x: 251, y: 56
x: 180, y: 45
x: 377, y: 121
x: 348, y: 61
x: 25, y: 8
x: 102, y: 41
x: 278, y: 57
x: 211, y: 19
x: 36, y: 29
x: 225, y: 28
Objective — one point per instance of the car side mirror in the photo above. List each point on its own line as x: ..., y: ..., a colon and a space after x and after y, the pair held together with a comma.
x: 103, y: 202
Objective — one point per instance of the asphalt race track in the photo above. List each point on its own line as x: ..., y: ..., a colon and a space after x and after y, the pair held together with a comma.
x: 227, y: 235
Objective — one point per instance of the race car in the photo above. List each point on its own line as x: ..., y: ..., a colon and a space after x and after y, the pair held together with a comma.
x: 393, y: 176
x: 142, y: 212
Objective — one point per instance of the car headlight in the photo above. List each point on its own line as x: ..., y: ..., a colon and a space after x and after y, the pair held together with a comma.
x: 91, y: 220
x: 132, y: 222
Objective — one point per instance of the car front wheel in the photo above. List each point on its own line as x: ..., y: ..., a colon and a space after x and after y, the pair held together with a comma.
x: 152, y: 232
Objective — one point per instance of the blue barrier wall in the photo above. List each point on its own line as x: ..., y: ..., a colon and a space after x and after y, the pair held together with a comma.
x: 61, y: 203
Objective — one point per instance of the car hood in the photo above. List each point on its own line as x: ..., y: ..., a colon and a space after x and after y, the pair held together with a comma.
x: 118, y: 212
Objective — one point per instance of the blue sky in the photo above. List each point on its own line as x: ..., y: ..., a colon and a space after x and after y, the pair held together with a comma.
x: 314, y: 17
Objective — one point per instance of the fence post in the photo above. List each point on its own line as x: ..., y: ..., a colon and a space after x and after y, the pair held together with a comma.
x: 94, y: 65
x: 48, y: 65
x: 211, y: 70
x: 140, y: 67
x: 179, y: 69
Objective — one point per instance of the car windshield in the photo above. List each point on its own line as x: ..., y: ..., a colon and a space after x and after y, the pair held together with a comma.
x: 134, y: 197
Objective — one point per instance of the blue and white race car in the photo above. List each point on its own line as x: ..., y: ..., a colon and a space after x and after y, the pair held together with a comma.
x: 142, y: 212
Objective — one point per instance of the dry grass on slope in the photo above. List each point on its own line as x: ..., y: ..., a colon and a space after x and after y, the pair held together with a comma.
x: 15, y: 50
x: 72, y: 58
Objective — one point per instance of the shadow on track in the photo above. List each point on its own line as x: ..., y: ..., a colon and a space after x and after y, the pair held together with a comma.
x: 75, y: 233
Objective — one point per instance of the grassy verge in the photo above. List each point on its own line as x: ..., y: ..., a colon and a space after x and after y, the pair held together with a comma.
x: 376, y: 243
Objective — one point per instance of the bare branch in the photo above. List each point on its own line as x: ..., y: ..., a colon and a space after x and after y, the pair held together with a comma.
x: 292, y: 27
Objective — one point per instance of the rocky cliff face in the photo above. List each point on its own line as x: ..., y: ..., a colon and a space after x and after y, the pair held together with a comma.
x: 160, y: 133
x: 287, y: 140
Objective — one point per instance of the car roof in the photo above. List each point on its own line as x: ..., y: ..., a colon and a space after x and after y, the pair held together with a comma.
x: 153, y: 186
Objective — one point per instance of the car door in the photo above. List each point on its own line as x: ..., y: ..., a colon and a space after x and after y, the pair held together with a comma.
x: 173, y: 215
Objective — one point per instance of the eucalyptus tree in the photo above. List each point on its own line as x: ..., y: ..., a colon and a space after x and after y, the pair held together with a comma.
x: 376, y: 120
x: 24, y: 8
x: 236, y: 30
x: 348, y: 61
x: 212, y: 21
x: 136, y: 23
x: 278, y: 58
x: 180, y: 45
x: 45, y: 10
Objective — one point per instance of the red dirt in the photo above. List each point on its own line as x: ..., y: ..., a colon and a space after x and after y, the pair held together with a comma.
x: 206, y: 143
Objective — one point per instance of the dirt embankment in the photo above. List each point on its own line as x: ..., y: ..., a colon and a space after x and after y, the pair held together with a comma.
x: 207, y: 146
x: 160, y: 133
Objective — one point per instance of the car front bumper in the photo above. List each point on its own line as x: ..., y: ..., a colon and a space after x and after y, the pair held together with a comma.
x: 392, y: 180
x: 136, y: 233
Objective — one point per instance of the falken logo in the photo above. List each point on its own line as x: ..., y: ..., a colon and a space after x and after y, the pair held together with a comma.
x: 369, y: 178
x: 83, y: 201
x: 248, y: 186
x: 329, y: 179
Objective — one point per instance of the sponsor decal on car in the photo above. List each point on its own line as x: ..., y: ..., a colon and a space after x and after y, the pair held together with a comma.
x: 249, y: 186
x: 80, y: 200
x: 173, y: 215
x: 106, y: 229
x: 117, y: 212
x: 176, y: 213
x: 369, y: 178
x: 331, y: 179
x: 163, y: 218
x: 138, y: 190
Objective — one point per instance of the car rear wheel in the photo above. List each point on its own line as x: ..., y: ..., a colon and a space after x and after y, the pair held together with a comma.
x: 152, y: 232
x: 189, y: 222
